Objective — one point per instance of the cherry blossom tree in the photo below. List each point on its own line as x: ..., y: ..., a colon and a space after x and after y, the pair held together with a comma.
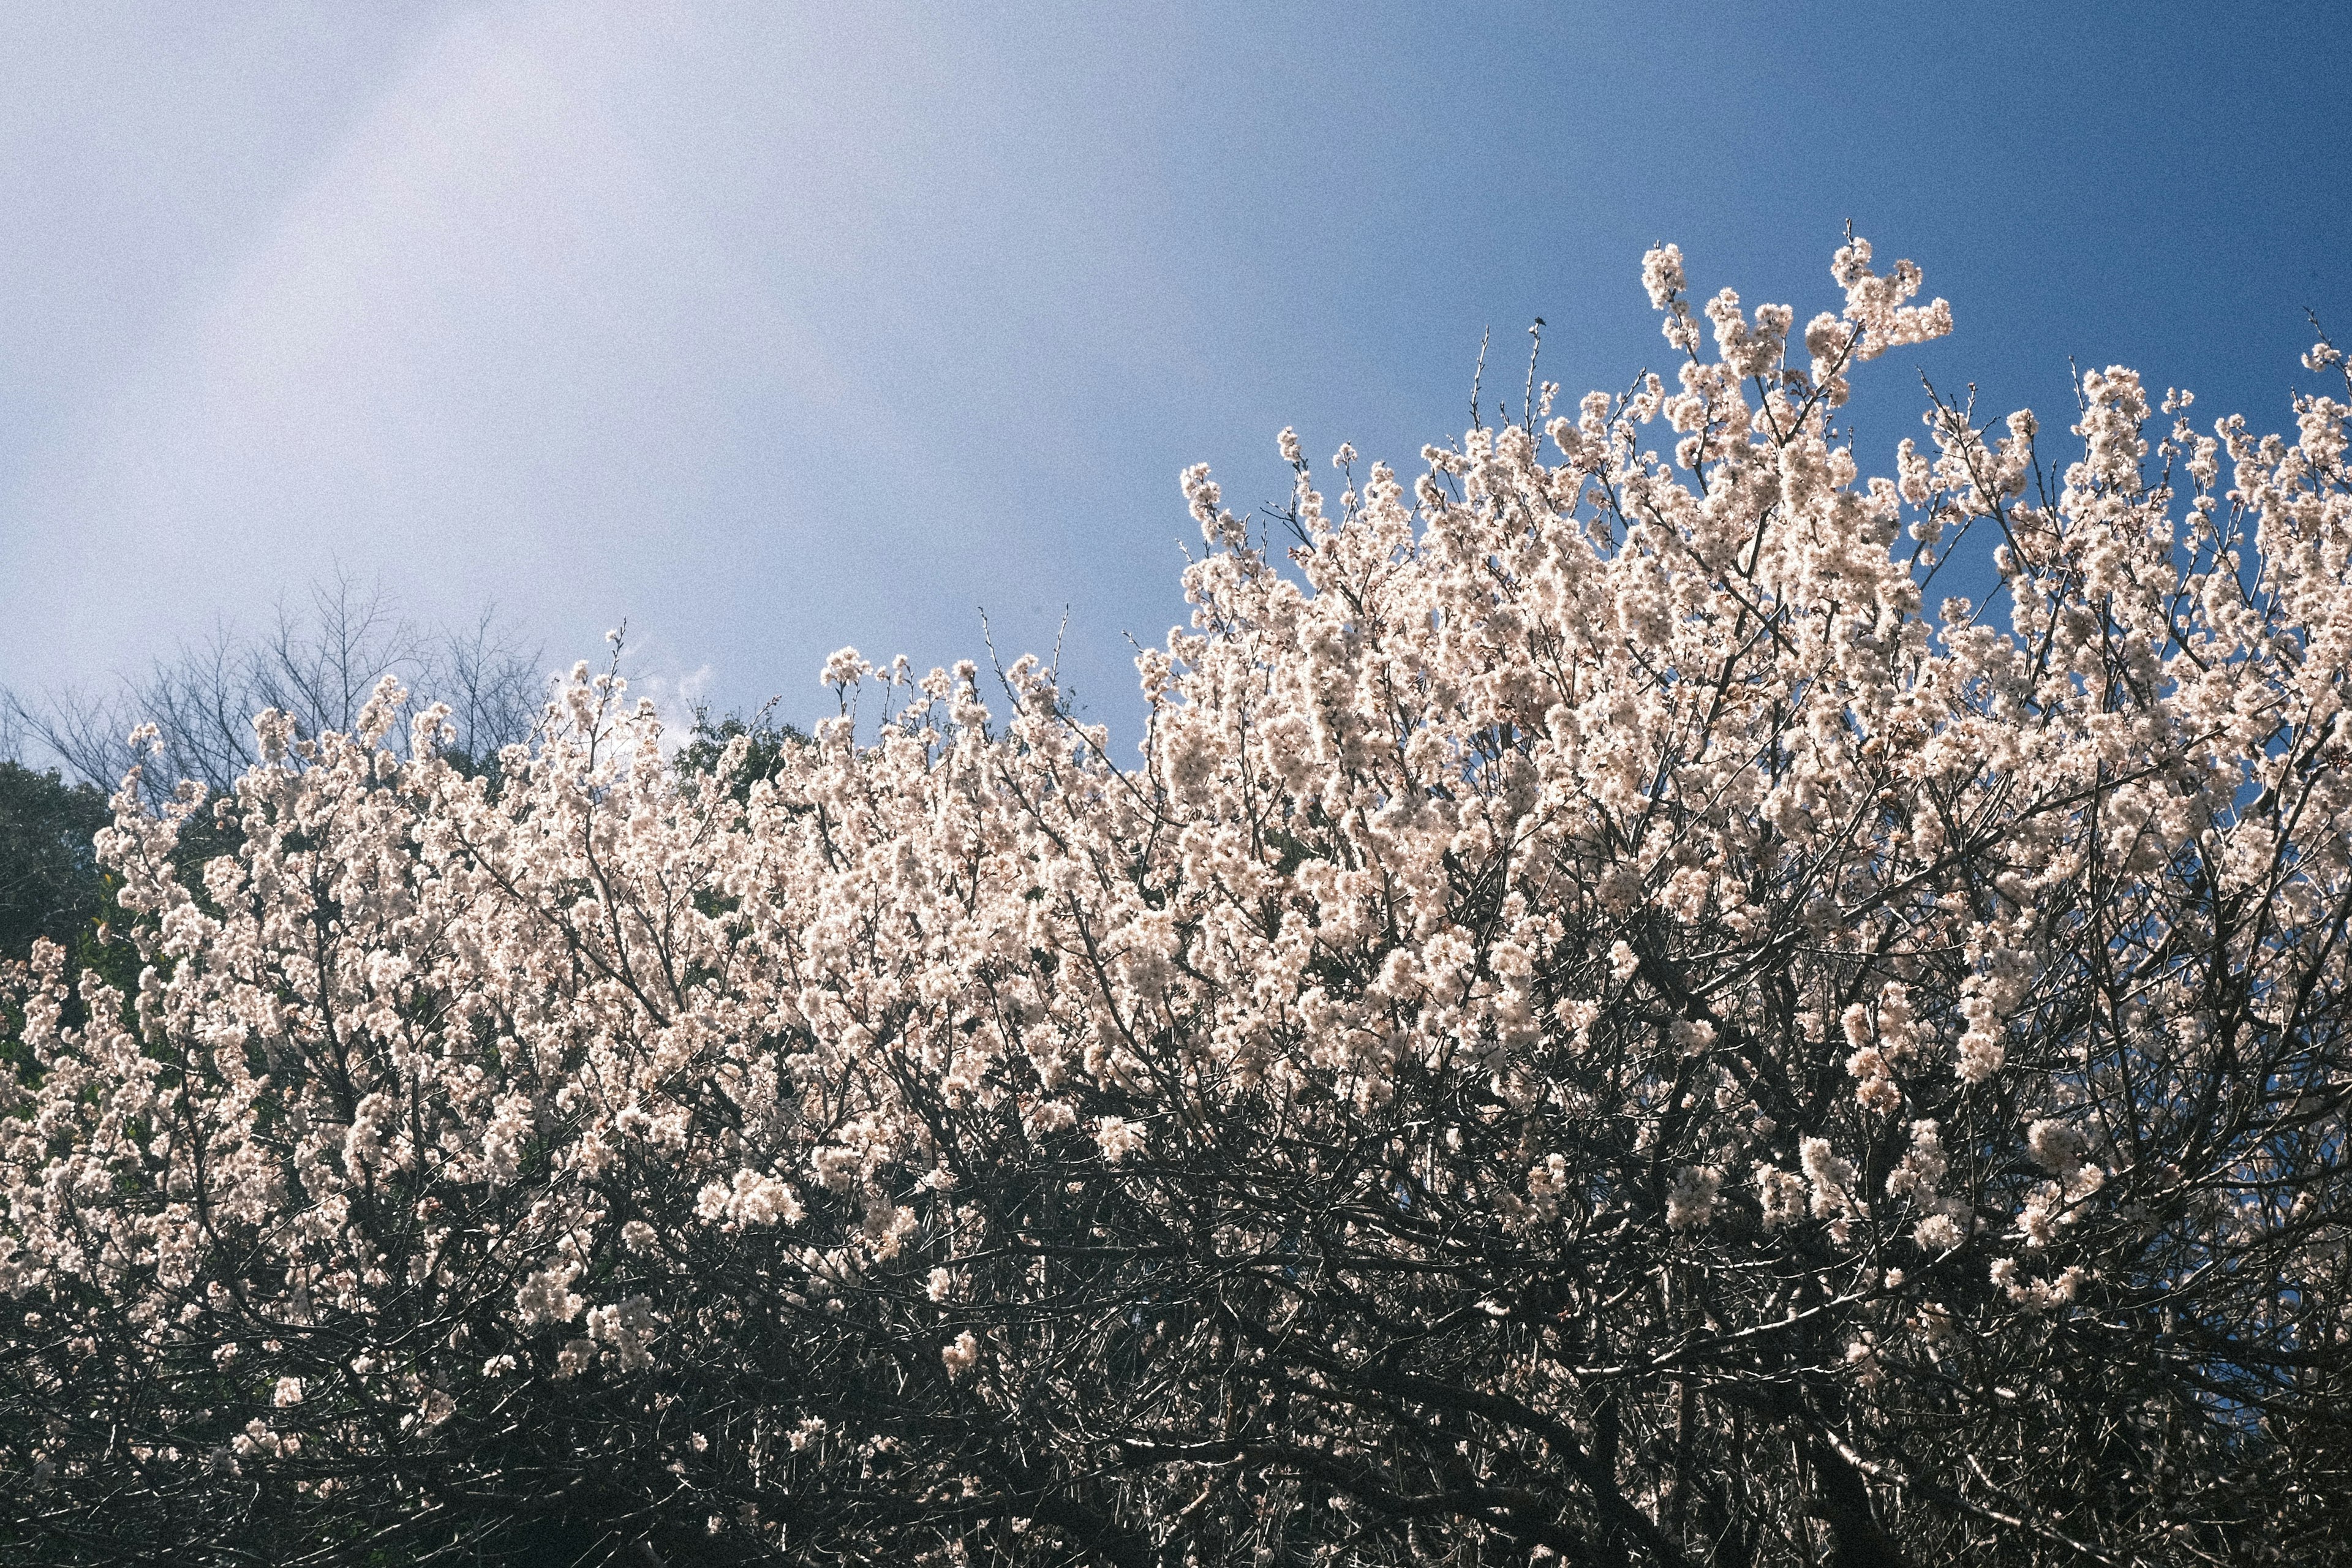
x: 1602, y: 1030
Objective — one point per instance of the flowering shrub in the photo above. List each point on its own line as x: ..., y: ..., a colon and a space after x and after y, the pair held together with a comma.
x: 1600, y: 1029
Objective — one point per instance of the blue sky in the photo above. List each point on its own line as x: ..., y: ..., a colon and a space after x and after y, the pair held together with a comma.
x: 771, y: 328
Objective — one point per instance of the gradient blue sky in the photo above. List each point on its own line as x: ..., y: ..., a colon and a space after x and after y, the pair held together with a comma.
x: 773, y: 328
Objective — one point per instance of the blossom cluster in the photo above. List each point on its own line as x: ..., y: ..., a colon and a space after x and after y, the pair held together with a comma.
x: 1590, y: 972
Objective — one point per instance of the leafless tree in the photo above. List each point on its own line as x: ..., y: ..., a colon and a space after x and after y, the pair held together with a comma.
x: 318, y: 659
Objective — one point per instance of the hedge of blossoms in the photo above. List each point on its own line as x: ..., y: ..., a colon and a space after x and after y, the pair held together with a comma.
x: 1600, y: 1031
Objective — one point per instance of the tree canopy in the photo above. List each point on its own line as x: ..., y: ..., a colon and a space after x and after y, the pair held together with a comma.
x: 1602, y: 1030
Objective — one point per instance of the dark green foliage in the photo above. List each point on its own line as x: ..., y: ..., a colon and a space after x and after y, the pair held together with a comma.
x: 49, y: 880
x: 767, y: 744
